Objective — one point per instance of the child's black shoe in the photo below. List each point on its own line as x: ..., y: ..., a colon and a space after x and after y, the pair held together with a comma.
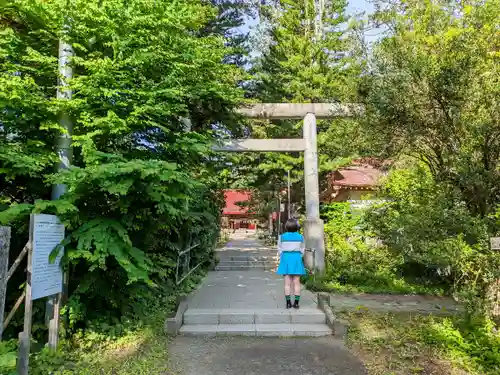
x: 296, y: 305
x: 288, y: 304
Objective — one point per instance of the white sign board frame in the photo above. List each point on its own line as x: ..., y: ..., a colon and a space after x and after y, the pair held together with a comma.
x: 46, y: 233
x: 495, y: 243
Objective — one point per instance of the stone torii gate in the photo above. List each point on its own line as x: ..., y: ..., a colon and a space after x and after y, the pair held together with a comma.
x: 313, y: 226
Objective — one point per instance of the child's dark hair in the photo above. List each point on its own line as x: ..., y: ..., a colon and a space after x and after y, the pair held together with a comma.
x: 292, y: 225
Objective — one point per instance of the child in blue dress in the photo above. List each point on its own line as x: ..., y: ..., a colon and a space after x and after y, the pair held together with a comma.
x: 291, y: 266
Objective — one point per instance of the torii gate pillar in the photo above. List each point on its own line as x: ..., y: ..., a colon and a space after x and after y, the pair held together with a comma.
x: 313, y: 225
x: 314, y: 228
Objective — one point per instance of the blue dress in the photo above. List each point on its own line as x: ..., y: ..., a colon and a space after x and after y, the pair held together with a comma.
x: 291, y: 262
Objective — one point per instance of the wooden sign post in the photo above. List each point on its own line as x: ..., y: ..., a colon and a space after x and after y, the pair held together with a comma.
x: 4, y: 264
x: 44, y: 279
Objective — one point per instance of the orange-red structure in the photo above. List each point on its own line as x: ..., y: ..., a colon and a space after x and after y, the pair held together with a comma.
x: 353, y: 182
x: 236, y: 213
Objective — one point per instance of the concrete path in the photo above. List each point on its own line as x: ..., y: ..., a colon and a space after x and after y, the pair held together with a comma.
x: 249, y: 300
x: 262, y: 356
x: 243, y: 290
x: 257, y: 288
x: 395, y: 303
x: 230, y: 306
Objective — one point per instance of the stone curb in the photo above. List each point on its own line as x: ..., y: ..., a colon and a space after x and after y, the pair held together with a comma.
x: 173, y: 324
x: 347, y: 302
x: 339, y: 327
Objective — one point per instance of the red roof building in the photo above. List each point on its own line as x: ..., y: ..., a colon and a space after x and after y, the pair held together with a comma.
x: 233, y: 199
x: 359, y: 179
x: 236, y: 214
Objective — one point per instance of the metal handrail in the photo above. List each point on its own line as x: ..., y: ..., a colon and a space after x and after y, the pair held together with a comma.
x: 188, y: 249
x: 186, y: 265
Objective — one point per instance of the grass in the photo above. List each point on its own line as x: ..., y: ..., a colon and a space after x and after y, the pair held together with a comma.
x: 406, y: 344
x: 141, y: 350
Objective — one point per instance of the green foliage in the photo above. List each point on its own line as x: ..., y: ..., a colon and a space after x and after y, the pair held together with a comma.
x: 299, y: 63
x: 357, y: 262
x: 232, y: 15
x: 420, y: 214
x: 432, y: 91
x: 140, y: 189
x: 350, y: 257
x: 410, y: 343
x: 430, y: 229
x: 429, y: 90
x: 130, y: 346
x: 8, y: 357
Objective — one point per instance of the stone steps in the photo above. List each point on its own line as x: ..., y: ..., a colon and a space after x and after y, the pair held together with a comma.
x: 247, y: 262
x: 239, y: 265
x: 245, y: 268
x: 248, y: 258
x: 263, y: 330
x: 305, y: 322
x: 255, y: 316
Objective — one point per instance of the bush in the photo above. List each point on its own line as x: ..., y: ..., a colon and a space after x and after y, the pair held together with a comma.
x: 428, y: 227
x: 355, y: 260
x: 421, y: 239
x: 8, y: 356
x: 474, y: 343
x: 404, y: 344
x: 350, y: 258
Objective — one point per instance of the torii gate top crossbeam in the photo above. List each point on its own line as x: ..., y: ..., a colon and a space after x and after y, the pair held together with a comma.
x: 299, y: 110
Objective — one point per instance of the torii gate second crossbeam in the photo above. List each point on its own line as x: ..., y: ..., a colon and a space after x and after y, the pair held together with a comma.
x: 314, y: 231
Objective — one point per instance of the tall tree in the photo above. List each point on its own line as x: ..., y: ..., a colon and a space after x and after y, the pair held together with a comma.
x: 140, y: 184
x: 306, y: 58
x: 231, y: 17
x: 434, y: 91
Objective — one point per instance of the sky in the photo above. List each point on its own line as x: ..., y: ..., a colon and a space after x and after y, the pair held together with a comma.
x: 360, y: 6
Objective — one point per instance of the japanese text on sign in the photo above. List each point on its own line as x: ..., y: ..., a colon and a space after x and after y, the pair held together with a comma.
x: 46, y: 277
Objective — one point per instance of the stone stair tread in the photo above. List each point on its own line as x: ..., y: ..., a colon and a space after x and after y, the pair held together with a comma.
x: 253, y: 316
x: 274, y: 330
x: 301, y: 311
x: 246, y: 262
x: 243, y: 268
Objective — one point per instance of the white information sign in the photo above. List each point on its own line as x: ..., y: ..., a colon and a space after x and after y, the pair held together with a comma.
x: 495, y: 243
x: 46, y: 277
